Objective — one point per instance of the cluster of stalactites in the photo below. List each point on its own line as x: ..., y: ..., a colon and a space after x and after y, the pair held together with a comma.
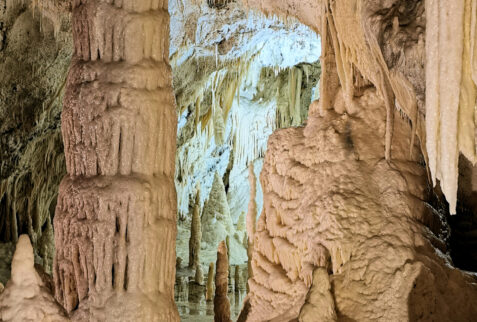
x: 451, y: 92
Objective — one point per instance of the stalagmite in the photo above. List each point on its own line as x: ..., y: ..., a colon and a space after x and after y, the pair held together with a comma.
x: 319, y: 305
x: 25, y: 297
x: 195, y: 234
x: 209, y: 295
x: 221, y: 301
x: 251, y: 218
x: 450, y: 90
x: 231, y: 277
x: 199, y: 276
x: 237, y: 278
x: 216, y: 221
x: 115, y: 222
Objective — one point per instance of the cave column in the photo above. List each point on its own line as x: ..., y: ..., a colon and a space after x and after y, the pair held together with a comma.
x: 115, y: 222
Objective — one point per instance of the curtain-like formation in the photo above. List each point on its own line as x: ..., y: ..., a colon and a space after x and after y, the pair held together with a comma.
x: 451, y: 92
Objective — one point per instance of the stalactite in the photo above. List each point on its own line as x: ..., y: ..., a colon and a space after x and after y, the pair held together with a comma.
x: 329, y: 82
x: 195, y: 234
x: 292, y: 87
x: 450, y: 90
x: 26, y: 197
x: 221, y: 301
x: 209, y: 295
x: 296, y: 116
x: 116, y: 213
x: 251, y: 218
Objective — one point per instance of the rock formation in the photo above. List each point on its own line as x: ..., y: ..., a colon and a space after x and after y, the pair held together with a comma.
x: 199, y: 276
x: 210, y: 283
x: 251, y: 219
x: 195, y: 234
x: 35, y: 52
x: 115, y: 219
x: 451, y: 91
x: 337, y: 194
x: 221, y: 301
x: 216, y: 222
x: 319, y: 304
x: 355, y: 210
x: 342, y: 205
x: 25, y: 297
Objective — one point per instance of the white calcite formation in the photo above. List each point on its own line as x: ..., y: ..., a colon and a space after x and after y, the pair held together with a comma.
x: 216, y: 221
x: 26, y: 298
x: 451, y: 92
x: 115, y: 221
x: 217, y: 225
x: 243, y: 44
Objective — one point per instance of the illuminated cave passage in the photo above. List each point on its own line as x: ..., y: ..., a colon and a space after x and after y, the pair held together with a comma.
x: 238, y: 77
x: 325, y: 160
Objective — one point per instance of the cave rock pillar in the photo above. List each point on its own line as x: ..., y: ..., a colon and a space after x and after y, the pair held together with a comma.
x: 115, y: 224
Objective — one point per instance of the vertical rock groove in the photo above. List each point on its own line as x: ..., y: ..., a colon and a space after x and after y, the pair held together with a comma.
x: 115, y: 221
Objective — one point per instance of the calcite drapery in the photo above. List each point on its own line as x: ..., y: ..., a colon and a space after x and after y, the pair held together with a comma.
x: 115, y: 221
x: 451, y: 90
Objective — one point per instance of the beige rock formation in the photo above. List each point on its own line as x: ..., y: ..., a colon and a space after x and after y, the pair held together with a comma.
x: 25, y: 297
x: 451, y: 90
x: 221, y: 301
x: 319, y: 305
x: 332, y: 200
x: 199, y: 275
x: 195, y: 234
x: 115, y: 221
x: 237, y: 278
x: 336, y: 194
x: 209, y: 295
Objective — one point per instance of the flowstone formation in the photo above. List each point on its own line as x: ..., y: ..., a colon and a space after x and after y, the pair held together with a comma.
x: 349, y: 192
x: 115, y: 220
x: 345, y: 207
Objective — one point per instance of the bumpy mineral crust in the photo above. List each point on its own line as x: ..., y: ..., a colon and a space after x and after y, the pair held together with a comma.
x: 332, y: 200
